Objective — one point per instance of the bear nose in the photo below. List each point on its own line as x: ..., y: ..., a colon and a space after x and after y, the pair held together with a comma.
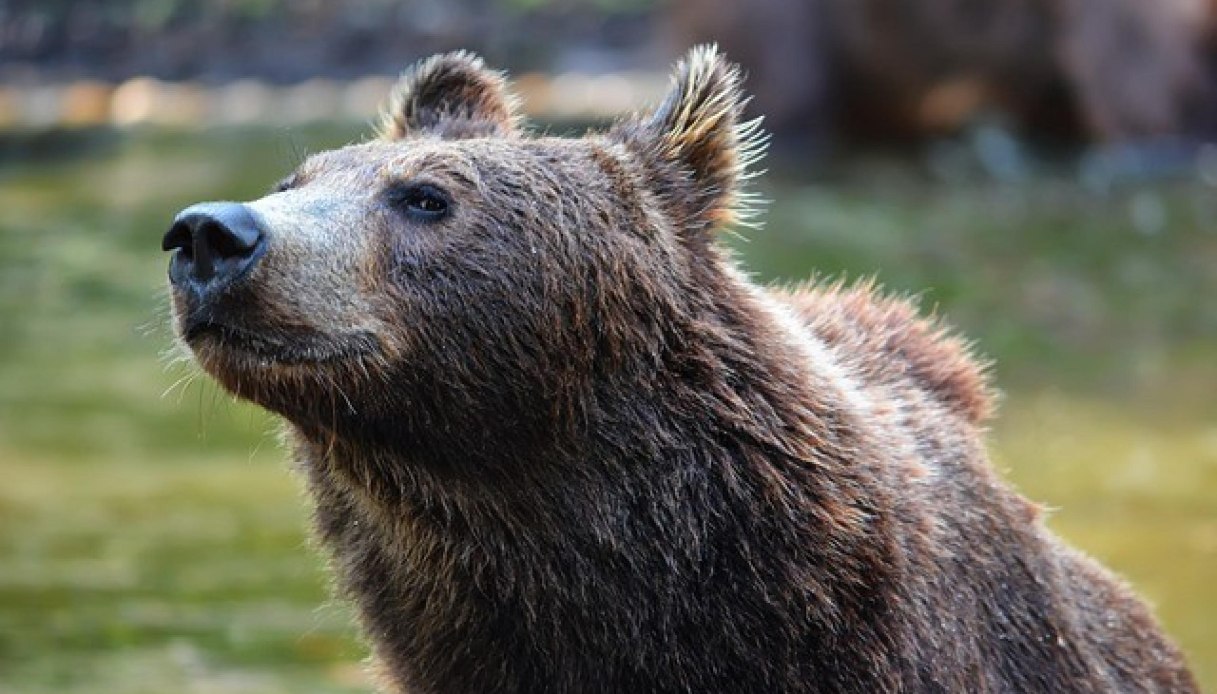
x: 214, y: 243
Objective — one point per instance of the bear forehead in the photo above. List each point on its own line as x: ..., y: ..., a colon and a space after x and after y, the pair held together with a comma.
x: 470, y: 161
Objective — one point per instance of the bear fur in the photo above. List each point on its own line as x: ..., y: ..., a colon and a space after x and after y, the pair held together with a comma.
x: 1106, y: 70
x: 558, y: 442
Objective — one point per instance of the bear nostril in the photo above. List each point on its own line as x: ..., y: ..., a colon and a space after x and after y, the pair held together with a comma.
x: 178, y: 237
x: 223, y: 243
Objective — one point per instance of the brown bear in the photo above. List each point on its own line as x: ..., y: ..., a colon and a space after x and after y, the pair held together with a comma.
x: 1110, y: 70
x: 559, y: 442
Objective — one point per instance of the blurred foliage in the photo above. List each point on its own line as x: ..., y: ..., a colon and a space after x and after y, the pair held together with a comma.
x: 282, y: 41
x: 152, y: 539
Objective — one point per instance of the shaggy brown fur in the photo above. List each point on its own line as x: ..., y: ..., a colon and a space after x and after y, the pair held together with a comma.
x: 557, y: 442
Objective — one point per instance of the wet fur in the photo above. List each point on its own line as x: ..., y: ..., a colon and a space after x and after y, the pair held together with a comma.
x: 572, y: 448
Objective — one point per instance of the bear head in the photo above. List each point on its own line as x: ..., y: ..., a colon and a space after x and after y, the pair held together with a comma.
x: 457, y: 274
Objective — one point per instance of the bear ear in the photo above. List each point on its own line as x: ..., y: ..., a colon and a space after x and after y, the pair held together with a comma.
x: 697, y: 138
x: 452, y: 96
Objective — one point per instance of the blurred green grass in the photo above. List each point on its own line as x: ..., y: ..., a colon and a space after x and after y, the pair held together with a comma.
x: 152, y: 539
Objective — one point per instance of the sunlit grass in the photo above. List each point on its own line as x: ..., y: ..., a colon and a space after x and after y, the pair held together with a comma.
x: 196, y: 566
x: 1134, y: 487
x: 152, y: 538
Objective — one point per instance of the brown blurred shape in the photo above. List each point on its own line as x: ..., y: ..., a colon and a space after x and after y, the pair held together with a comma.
x: 1105, y: 70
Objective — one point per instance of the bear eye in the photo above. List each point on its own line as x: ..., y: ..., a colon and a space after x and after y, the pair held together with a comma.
x: 421, y: 201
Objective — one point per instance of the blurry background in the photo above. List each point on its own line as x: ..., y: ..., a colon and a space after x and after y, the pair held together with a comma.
x: 1039, y: 171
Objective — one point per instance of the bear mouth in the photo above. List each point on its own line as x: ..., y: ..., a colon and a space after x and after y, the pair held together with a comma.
x: 294, y: 348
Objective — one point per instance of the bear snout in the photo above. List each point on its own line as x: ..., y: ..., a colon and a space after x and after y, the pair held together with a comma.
x: 214, y: 244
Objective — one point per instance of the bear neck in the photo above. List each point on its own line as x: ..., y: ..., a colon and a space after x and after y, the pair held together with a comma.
x: 735, y: 456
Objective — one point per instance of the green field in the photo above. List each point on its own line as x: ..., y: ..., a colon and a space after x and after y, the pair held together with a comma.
x: 152, y: 538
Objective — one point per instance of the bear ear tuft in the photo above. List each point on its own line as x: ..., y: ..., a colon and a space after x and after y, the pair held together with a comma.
x: 452, y: 96
x: 697, y: 132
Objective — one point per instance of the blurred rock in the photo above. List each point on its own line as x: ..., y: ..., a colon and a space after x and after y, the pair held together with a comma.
x: 309, y: 102
x: 243, y: 102
x: 363, y: 98
x: 145, y: 100
x: 86, y: 103
x: 42, y: 106
x: 10, y: 107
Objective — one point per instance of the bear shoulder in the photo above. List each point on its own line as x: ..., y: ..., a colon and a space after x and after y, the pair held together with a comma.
x: 886, y: 339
